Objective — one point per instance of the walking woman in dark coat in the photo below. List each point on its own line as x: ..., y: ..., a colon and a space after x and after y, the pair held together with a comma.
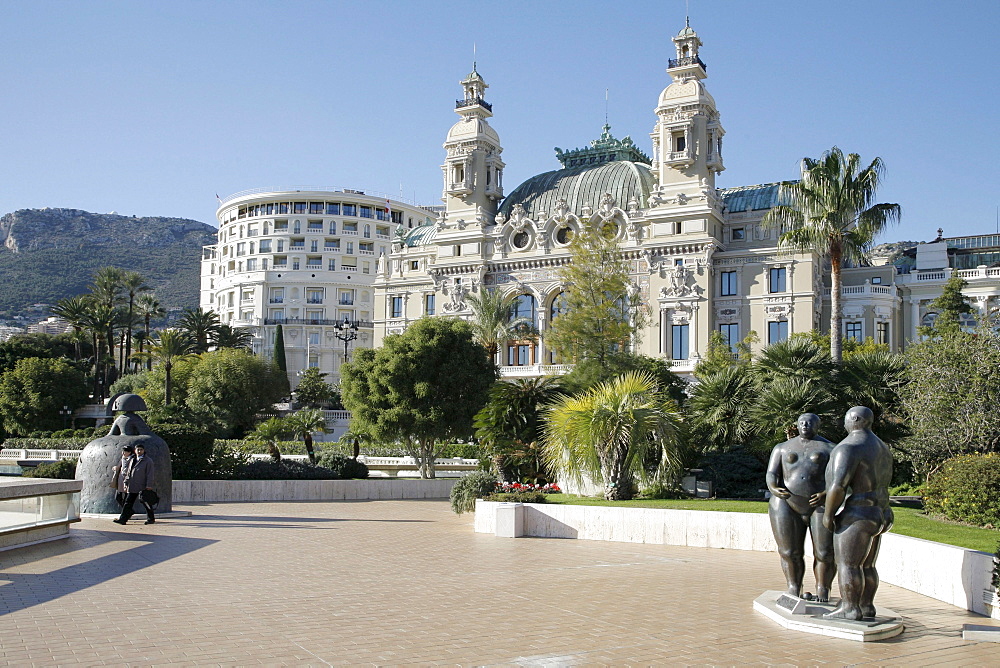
x: 138, y: 477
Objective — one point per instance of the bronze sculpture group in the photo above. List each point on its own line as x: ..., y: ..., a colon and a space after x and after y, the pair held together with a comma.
x: 840, y: 494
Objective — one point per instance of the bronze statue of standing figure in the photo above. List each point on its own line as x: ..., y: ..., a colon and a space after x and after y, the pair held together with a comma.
x: 796, y: 478
x: 858, y: 477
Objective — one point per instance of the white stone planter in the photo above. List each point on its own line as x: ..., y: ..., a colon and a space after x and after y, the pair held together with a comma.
x: 992, y: 601
x: 947, y: 573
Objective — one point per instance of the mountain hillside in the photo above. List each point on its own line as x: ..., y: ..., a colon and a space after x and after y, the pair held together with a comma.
x: 48, y: 254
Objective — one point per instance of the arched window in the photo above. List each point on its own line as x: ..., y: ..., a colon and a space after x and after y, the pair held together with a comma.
x: 558, y: 306
x: 526, y: 307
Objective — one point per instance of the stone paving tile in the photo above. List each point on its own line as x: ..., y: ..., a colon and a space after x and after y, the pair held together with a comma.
x: 408, y: 582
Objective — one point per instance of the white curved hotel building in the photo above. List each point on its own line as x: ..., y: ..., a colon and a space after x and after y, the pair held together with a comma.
x: 305, y: 258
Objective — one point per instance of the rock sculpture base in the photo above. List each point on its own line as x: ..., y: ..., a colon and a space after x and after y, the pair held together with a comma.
x: 808, y: 618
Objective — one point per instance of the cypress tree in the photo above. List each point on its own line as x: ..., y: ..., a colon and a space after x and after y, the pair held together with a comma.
x: 279, y: 359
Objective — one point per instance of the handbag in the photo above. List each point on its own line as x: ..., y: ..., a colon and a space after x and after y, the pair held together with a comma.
x: 114, y: 480
x: 149, y: 498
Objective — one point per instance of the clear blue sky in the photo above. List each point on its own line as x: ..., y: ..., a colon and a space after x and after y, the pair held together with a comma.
x: 151, y: 108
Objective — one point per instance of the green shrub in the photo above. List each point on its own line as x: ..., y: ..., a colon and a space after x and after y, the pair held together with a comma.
x: 190, y: 449
x: 664, y: 490
x: 735, y: 474
x: 345, y: 467
x: 476, y: 485
x: 225, y: 461
x: 965, y: 489
x: 907, y: 489
x: 64, y: 469
x: 73, y: 443
x: 518, y: 497
x: 286, y: 469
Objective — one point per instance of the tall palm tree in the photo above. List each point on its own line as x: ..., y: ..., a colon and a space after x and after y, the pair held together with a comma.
x: 493, y: 321
x: 201, y: 326
x: 232, y: 337
x: 611, y: 430
x: 148, y: 308
x: 302, y: 425
x: 831, y: 212
x: 133, y: 284
x: 99, y: 320
x: 74, y: 311
x: 169, y: 347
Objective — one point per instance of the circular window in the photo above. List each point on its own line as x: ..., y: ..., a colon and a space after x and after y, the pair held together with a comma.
x: 564, y: 235
x: 520, y: 240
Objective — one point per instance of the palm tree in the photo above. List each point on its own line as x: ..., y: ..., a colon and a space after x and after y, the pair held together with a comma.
x: 99, y: 320
x: 148, y: 308
x: 74, y: 311
x: 201, y: 326
x: 133, y: 283
x: 875, y: 378
x: 271, y: 432
x: 509, y: 426
x: 493, y: 321
x: 233, y: 337
x: 169, y: 347
x: 611, y: 430
x: 719, y: 408
x: 302, y: 425
x: 830, y: 212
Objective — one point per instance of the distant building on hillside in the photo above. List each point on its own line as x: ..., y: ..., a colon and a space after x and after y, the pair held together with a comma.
x: 6, y: 332
x: 51, y: 325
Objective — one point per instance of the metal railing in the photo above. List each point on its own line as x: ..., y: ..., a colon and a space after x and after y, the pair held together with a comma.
x: 360, y: 324
x: 688, y: 60
x: 461, y: 104
x: 290, y: 190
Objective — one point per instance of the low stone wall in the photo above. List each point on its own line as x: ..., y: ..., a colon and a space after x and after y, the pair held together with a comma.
x: 947, y: 573
x: 37, y: 509
x: 220, y: 491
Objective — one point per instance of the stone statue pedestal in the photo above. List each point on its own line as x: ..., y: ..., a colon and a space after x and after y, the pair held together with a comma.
x: 808, y: 618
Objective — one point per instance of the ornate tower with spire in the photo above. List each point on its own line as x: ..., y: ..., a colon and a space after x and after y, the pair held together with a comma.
x: 473, y: 170
x: 687, y: 139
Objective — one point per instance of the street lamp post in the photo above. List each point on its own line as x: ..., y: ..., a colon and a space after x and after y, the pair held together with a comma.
x: 65, y: 413
x: 347, y: 331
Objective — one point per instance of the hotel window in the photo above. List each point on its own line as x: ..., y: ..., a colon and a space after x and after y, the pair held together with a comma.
x: 350, y: 209
x: 777, y: 279
x: 281, y: 245
x: 366, y: 212
x: 347, y: 297
x: 366, y: 267
x: 680, y: 143
x: 280, y: 261
x: 350, y: 248
x: 269, y: 209
x: 297, y: 227
x: 876, y: 280
x: 252, y: 264
x: 349, y: 263
x: 281, y: 226
x: 314, y: 315
x: 295, y: 264
x: 731, y: 335
x: 414, y: 265
x: 314, y: 246
x: 332, y: 209
x: 299, y: 207
x: 265, y: 246
x: 314, y: 338
x: 332, y: 266
x: 315, y: 225
x: 429, y: 304
x: 777, y: 331
x: 882, y: 332
x: 739, y: 234
x: 396, y: 309
x: 679, y: 342
x: 277, y: 314
x: 728, y: 283
x: 852, y: 330
x: 246, y: 315
x: 368, y: 232
x: 315, y: 207
x: 314, y: 295
x: 331, y: 245
x: 519, y: 355
x: 283, y: 207
x: 333, y: 227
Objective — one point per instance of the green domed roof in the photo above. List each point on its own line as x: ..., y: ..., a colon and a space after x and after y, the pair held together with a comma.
x: 582, y: 186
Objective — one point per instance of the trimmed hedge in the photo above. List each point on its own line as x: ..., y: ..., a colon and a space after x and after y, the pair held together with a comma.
x: 464, y: 450
x: 345, y: 467
x: 64, y: 469
x: 286, y: 469
x: 965, y: 490
x: 74, y: 443
x: 190, y: 449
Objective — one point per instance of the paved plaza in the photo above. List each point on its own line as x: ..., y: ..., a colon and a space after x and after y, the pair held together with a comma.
x: 408, y: 582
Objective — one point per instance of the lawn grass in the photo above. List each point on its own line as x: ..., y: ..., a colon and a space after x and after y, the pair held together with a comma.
x: 909, y: 521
